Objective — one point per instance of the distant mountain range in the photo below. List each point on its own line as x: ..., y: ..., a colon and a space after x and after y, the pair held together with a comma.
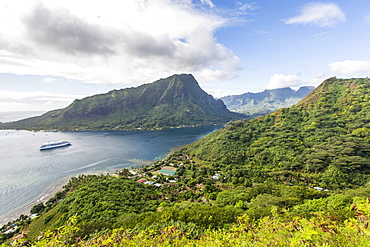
x: 171, y: 102
x: 258, y: 104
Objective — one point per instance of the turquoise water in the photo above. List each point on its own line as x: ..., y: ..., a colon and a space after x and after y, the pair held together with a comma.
x: 25, y: 171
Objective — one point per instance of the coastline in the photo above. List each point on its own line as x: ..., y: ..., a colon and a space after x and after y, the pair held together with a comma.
x: 53, y: 188
x: 57, y: 185
x: 47, y: 193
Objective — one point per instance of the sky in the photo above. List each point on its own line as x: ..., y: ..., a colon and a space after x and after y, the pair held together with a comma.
x: 52, y: 52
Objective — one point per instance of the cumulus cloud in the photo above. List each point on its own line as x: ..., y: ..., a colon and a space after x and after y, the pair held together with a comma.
x: 350, y: 68
x: 281, y: 81
x: 114, y: 42
x: 319, y: 14
x: 67, y: 33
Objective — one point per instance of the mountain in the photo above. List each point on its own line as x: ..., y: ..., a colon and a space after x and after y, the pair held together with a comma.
x: 296, y: 177
x: 324, y: 140
x: 171, y: 102
x: 258, y: 104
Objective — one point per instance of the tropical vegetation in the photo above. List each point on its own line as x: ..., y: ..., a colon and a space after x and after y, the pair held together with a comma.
x: 296, y: 177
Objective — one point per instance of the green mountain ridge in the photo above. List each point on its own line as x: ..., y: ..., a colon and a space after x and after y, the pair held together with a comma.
x: 262, y: 103
x: 299, y: 176
x: 171, y: 102
x: 325, y: 137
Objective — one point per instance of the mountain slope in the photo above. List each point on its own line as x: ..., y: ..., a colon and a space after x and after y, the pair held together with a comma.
x: 324, y: 140
x: 258, y: 104
x: 282, y: 178
x: 175, y: 101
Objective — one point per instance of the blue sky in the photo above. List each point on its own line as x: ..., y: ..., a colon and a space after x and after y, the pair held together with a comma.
x: 52, y: 52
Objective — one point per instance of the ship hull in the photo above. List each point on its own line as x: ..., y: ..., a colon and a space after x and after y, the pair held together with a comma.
x: 51, y: 145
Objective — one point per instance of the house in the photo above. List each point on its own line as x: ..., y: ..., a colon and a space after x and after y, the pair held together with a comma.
x: 141, y: 181
x: 132, y: 172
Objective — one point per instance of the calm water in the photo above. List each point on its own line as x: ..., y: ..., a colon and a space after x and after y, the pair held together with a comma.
x: 25, y: 171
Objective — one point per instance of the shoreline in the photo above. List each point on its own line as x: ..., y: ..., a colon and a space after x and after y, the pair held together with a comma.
x: 56, y: 186
x: 46, y: 194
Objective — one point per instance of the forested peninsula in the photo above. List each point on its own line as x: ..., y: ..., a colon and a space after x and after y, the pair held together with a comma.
x: 296, y: 177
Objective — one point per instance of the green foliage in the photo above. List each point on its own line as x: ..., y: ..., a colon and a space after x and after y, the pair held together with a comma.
x: 323, y: 140
x: 335, y: 206
x: 205, y: 216
x: 38, y: 208
x: 266, y: 192
x: 318, y: 230
x: 100, y: 203
x: 232, y: 197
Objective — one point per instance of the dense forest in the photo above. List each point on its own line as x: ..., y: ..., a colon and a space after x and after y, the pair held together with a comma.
x: 323, y: 140
x: 296, y: 177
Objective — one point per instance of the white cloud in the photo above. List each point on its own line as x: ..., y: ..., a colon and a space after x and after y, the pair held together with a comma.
x: 113, y: 42
x: 243, y: 7
x: 319, y: 14
x: 280, y: 81
x: 208, y: 2
x: 350, y: 68
x: 319, y: 78
x: 48, y: 80
x: 34, y: 101
x: 41, y: 95
x: 11, y: 107
x: 216, y: 92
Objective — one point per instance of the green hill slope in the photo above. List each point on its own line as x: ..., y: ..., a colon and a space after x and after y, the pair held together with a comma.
x: 175, y: 101
x: 325, y: 137
x: 296, y: 177
x: 259, y: 104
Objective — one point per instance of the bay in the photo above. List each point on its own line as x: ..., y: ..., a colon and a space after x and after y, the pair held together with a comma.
x: 26, y: 172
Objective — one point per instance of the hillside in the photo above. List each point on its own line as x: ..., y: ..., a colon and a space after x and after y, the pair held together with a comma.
x: 171, y: 102
x: 325, y: 137
x: 296, y: 177
x: 259, y: 104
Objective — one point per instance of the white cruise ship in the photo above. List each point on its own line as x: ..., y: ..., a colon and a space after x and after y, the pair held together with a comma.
x: 57, y: 144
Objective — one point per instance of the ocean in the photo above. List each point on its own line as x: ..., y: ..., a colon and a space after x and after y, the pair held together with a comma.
x: 26, y: 172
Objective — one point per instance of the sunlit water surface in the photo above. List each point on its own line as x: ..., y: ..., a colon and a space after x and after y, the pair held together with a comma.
x: 25, y: 171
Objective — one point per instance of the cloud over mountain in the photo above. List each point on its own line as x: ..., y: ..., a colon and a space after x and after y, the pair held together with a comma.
x: 280, y: 81
x: 114, y: 42
x: 350, y: 68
